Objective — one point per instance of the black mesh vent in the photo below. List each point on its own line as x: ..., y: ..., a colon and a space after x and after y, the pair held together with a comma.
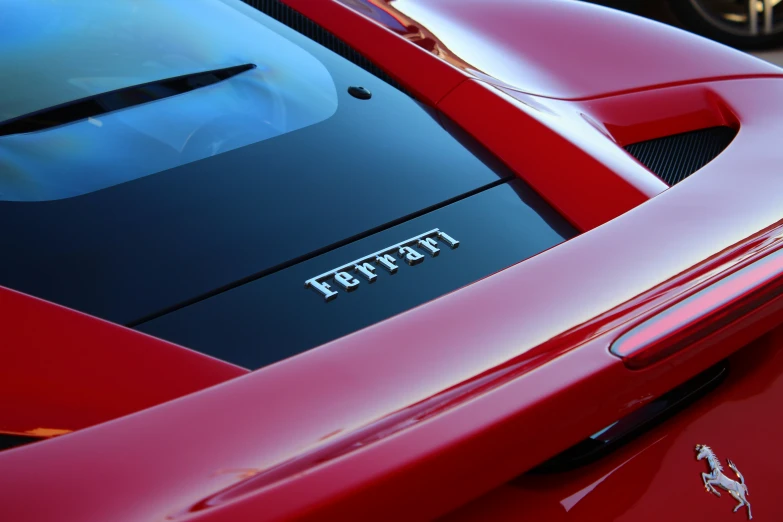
x: 674, y: 158
x: 295, y: 20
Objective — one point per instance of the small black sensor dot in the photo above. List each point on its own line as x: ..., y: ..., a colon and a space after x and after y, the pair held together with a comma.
x: 359, y: 92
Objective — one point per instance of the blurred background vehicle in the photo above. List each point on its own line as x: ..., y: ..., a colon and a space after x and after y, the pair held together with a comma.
x: 745, y: 24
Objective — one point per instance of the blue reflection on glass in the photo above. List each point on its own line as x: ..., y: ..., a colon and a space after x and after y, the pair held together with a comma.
x: 80, y: 48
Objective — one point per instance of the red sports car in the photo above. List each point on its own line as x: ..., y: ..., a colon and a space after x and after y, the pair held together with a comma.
x: 385, y: 260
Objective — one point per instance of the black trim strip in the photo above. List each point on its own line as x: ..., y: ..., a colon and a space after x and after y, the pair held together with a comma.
x: 116, y: 100
x: 674, y: 158
x: 636, y: 423
x: 8, y: 441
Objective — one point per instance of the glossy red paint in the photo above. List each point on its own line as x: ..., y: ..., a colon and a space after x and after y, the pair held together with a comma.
x: 414, y: 416
x: 724, y: 300
x: 553, y: 48
x: 657, y: 476
x: 521, y: 46
x: 64, y: 370
x: 649, y: 114
x: 572, y: 150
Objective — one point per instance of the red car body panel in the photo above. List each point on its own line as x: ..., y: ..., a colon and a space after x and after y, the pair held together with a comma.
x: 656, y: 477
x: 66, y: 371
x: 419, y: 414
x: 529, y: 46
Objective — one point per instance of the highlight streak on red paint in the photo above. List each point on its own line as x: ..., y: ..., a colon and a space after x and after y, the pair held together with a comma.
x: 702, y: 313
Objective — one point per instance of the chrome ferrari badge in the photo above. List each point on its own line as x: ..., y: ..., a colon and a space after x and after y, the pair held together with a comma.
x: 715, y: 477
x: 366, y: 266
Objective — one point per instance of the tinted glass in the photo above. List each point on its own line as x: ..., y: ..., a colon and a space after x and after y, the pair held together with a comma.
x: 58, y: 52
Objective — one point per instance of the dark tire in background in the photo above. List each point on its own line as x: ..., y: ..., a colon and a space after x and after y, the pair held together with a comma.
x: 733, y: 22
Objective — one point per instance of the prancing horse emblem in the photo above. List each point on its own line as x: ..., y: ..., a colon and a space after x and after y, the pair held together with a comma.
x: 738, y: 490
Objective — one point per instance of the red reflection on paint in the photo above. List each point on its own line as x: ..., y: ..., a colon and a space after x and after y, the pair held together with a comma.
x: 703, y: 313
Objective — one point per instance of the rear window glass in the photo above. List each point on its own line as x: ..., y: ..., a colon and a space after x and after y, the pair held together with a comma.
x: 56, y: 53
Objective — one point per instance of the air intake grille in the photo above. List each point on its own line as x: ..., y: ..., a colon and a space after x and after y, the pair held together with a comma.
x: 298, y: 22
x: 674, y: 158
